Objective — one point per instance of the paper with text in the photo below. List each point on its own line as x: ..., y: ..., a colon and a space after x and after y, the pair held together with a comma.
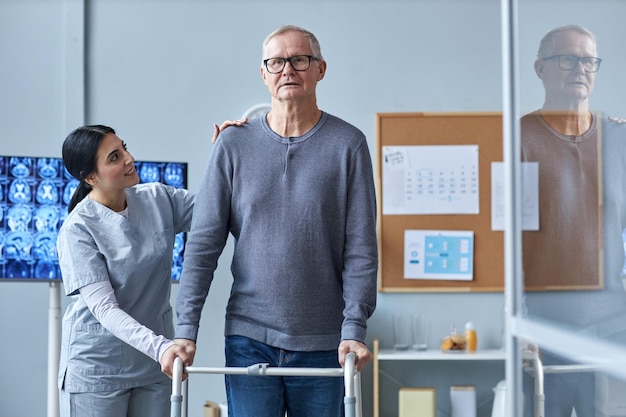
x: 430, y: 179
x: 530, y: 196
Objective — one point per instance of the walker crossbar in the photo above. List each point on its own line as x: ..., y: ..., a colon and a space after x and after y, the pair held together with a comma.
x: 351, y: 380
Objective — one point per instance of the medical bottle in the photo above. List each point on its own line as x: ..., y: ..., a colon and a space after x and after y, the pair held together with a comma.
x: 470, y: 336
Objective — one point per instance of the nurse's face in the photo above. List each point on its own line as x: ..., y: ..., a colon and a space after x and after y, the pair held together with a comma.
x: 115, y: 166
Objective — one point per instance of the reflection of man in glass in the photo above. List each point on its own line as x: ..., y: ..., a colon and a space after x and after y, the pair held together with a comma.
x: 578, y: 248
x: 563, y: 137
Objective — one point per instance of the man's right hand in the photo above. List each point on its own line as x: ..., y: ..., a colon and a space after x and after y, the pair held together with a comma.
x: 184, y: 349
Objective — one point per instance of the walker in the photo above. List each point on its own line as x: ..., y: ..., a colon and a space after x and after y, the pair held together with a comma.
x: 352, y: 381
x: 538, y: 371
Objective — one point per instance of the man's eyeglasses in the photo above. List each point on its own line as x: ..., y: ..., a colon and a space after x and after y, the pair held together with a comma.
x: 569, y: 62
x: 298, y: 63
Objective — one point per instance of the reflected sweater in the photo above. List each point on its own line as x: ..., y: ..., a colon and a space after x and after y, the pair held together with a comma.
x: 582, y: 200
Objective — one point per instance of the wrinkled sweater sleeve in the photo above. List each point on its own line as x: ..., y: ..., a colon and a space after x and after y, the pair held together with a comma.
x: 206, y: 240
x: 361, y: 250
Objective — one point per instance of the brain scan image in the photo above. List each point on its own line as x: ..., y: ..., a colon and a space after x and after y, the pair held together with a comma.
x: 34, y: 195
x: 19, y: 191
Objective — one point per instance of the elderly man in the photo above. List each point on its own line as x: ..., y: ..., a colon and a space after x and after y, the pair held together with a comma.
x: 295, y: 188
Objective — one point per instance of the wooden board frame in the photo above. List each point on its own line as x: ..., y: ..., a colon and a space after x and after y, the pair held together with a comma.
x: 475, y: 128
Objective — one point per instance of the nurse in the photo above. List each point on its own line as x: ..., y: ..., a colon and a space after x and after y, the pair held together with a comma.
x: 115, y: 253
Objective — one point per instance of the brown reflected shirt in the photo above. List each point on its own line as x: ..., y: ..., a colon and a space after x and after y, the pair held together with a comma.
x: 565, y: 252
x: 582, y: 193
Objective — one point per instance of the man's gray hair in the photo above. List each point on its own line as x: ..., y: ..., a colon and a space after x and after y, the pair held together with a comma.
x: 316, y: 50
x: 547, y: 41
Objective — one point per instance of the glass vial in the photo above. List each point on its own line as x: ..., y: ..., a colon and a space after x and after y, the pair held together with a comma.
x: 470, y: 336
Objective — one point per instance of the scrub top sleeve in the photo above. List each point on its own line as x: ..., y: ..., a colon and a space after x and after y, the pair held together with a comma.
x: 182, y: 203
x: 80, y: 260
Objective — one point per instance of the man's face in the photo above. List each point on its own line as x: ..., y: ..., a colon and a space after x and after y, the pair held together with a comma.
x: 567, y: 86
x: 290, y: 84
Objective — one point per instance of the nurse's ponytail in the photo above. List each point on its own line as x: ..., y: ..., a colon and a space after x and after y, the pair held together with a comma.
x: 79, y: 157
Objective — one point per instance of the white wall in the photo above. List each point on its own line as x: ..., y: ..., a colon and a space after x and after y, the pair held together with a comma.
x: 162, y: 72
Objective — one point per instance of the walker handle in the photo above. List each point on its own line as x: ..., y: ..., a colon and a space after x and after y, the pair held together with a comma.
x: 177, y: 381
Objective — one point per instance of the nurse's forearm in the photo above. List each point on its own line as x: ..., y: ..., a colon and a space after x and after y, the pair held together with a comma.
x: 101, y: 301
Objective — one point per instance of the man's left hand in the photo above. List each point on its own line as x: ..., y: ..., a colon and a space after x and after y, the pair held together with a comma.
x: 364, y: 356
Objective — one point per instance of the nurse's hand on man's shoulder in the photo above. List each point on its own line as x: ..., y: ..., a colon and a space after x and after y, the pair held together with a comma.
x: 217, y: 129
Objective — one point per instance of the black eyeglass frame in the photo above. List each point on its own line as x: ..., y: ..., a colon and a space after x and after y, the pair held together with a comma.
x: 285, y: 60
x: 593, y: 59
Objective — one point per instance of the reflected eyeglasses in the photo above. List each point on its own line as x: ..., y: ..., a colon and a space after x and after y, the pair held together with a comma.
x: 569, y: 62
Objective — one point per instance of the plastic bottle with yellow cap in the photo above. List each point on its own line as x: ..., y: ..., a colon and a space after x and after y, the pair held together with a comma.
x: 471, y: 337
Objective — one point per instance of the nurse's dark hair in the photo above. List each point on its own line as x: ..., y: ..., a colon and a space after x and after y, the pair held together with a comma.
x: 79, y: 157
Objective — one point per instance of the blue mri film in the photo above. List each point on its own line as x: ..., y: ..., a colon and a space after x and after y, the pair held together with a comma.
x: 34, y: 195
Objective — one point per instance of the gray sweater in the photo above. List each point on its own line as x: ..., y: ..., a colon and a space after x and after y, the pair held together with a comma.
x: 302, y: 211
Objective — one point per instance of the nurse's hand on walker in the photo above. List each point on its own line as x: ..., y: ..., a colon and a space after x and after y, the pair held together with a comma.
x: 184, y: 349
x: 217, y: 129
x: 364, y: 356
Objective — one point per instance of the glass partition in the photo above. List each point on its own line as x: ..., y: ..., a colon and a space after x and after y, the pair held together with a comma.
x: 567, y: 296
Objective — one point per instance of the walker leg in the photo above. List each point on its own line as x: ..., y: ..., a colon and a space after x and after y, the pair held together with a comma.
x: 176, y: 399
x: 176, y: 405
x: 357, y: 394
x: 185, y: 403
x: 350, y: 406
x: 539, y: 405
x: 349, y: 400
x: 539, y: 396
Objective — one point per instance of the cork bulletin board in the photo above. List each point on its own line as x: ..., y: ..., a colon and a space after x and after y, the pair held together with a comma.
x: 407, y: 129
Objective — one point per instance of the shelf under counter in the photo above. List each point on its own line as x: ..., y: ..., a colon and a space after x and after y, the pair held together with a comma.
x: 438, y: 355
x: 426, y: 355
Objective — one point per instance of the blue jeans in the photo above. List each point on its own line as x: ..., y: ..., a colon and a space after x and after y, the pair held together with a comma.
x: 271, y: 396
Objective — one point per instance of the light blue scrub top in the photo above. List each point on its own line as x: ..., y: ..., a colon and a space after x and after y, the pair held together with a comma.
x: 135, y: 254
